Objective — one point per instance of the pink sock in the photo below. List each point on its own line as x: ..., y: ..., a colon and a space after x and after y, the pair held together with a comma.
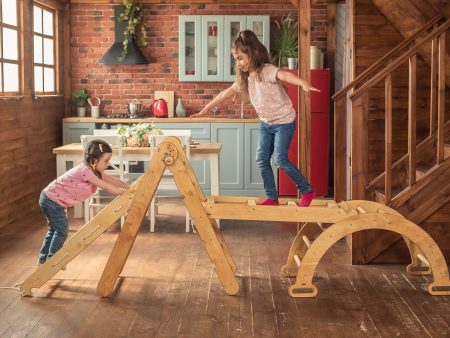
x: 307, y: 199
x: 268, y: 201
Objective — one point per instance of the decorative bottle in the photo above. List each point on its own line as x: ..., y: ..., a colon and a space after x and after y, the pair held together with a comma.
x: 180, y: 110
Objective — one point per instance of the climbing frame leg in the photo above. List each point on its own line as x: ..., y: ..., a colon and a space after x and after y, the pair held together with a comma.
x: 144, y: 194
x: 206, y: 228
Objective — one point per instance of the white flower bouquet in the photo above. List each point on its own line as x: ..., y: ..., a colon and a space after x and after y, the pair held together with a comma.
x: 136, y: 135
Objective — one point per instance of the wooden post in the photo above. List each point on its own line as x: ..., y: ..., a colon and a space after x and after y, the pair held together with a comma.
x: 304, y: 36
x: 441, y: 100
x: 412, y: 120
x: 388, y: 139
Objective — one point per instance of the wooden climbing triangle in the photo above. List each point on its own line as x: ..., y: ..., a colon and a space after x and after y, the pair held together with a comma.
x: 309, y: 246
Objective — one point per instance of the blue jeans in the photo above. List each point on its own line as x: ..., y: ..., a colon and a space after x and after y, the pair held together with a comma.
x: 58, y: 227
x: 275, y: 140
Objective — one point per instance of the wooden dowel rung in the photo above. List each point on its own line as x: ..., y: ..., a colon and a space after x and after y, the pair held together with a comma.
x: 361, y: 210
x: 297, y: 260
x: 292, y: 204
x: 423, y: 259
x: 251, y: 202
x: 307, y: 241
x: 210, y: 200
x: 320, y: 225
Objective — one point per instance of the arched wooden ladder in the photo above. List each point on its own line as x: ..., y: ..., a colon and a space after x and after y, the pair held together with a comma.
x: 348, y: 217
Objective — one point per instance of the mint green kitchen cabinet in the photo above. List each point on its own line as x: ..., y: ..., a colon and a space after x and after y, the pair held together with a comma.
x: 73, y: 131
x: 205, y: 44
x: 190, y: 59
x: 231, y: 161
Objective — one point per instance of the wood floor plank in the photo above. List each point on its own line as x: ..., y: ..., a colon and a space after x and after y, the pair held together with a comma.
x: 169, y: 288
x: 434, y: 318
x: 241, y: 317
x: 264, y: 318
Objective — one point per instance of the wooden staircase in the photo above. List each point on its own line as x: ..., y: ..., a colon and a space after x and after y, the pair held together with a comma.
x: 418, y: 183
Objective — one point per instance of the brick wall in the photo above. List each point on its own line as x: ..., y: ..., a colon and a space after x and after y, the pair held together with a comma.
x: 93, y: 33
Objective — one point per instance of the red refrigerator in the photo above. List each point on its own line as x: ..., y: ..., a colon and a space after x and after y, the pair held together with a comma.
x: 320, y: 131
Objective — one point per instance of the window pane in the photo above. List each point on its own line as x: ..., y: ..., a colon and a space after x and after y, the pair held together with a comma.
x: 37, y: 19
x: 11, y: 77
x: 9, y: 12
x: 38, y: 79
x: 49, y: 80
x: 48, y: 51
x: 10, y: 44
x: 48, y: 22
x: 37, y: 49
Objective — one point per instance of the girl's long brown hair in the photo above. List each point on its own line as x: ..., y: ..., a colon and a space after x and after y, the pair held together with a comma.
x: 247, y: 42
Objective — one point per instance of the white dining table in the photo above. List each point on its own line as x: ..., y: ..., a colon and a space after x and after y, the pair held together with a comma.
x: 73, y: 152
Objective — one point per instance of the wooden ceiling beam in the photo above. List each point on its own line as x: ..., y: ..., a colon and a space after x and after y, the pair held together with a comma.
x: 119, y: 2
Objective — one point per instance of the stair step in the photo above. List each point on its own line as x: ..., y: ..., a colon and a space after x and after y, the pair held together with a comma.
x: 421, y: 169
x: 380, y: 194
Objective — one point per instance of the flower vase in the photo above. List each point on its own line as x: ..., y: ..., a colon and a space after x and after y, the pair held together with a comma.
x: 180, y: 110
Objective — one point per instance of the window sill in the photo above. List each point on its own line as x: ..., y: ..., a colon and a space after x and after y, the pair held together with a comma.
x: 18, y: 97
x: 51, y: 96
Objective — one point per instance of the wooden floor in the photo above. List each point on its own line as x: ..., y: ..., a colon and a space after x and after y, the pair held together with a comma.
x: 169, y: 289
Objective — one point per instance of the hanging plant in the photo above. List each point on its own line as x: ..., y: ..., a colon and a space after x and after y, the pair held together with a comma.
x: 135, y: 25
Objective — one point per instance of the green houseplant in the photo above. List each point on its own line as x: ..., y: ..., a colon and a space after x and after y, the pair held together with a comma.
x: 136, y: 28
x: 79, y: 100
x: 284, y: 39
x: 137, y: 134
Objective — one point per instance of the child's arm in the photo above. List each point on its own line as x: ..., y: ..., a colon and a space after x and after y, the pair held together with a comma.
x: 108, y: 186
x: 295, y: 80
x: 223, y: 96
x: 115, y: 181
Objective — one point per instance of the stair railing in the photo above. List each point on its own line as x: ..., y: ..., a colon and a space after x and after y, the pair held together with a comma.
x: 357, y: 92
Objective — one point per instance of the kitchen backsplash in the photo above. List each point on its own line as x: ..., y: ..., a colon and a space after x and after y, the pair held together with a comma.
x: 92, y: 29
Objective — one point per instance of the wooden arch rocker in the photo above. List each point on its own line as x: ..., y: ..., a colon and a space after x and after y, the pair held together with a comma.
x: 309, y: 246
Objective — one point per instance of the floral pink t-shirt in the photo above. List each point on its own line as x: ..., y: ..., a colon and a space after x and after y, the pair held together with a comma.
x: 268, y: 97
x: 72, y: 187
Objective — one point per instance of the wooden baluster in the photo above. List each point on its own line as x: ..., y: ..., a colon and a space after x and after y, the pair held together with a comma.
x: 441, y: 100
x: 340, y: 149
x: 360, y: 144
x: 412, y: 92
x: 433, y: 85
x: 388, y: 138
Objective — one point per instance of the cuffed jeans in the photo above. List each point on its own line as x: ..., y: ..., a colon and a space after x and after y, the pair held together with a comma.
x: 58, y: 227
x: 275, y: 140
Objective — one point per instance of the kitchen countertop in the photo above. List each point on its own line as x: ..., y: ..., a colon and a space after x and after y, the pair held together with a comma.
x: 159, y: 120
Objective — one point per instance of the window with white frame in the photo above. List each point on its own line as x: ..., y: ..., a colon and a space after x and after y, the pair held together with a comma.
x: 44, y: 50
x: 9, y: 48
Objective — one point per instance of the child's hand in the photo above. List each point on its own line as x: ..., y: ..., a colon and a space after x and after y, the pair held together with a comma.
x: 200, y: 114
x: 308, y: 88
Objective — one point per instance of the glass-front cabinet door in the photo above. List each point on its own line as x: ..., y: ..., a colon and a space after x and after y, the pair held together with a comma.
x: 260, y: 25
x: 212, y: 51
x: 233, y: 25
x: 190, y: 47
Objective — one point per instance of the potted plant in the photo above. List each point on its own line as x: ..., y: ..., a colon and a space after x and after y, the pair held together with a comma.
x: 284, y: 39
x: 137, y: 134
x: 79, y: 100
x: 135, y: 27
x: 292, y: 58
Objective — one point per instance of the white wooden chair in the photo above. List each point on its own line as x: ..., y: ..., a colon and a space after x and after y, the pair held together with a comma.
x: 117, y: 169
x: 167, y: 182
